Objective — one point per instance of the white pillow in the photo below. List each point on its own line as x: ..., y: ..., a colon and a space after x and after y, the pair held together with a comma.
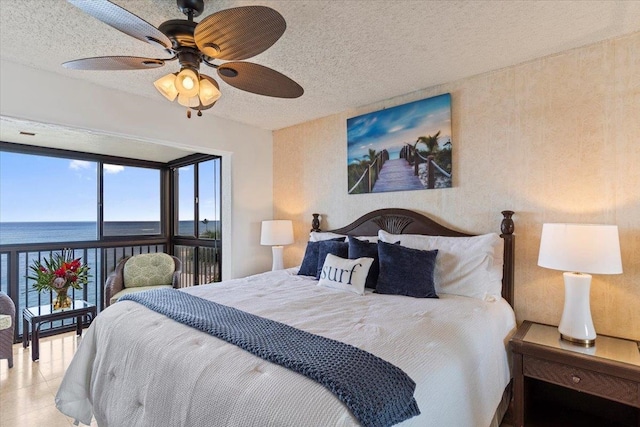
x: 318, y: 236
x: 468, y: 266
x: 345, y: 274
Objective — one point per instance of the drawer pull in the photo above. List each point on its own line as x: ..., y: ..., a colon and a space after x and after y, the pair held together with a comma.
x: 575, y: 379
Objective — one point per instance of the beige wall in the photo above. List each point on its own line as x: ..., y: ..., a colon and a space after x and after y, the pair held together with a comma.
x: 556, y: 140
x: 247, y: 193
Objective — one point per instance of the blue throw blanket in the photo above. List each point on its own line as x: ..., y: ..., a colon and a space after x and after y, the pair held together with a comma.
x: 378, y: 393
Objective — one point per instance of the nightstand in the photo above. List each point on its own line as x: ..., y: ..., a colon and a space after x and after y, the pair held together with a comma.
x: 610, y: 369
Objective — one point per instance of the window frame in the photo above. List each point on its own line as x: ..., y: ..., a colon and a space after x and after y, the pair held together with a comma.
x: 195, y: 240
x: 101, y: 159
x: 164, y: 199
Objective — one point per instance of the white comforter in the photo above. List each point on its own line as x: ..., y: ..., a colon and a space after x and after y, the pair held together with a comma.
x: 136, y: 367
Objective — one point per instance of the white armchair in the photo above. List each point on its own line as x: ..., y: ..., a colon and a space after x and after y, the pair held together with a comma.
x: 140, y: 273
x: 7, y: 325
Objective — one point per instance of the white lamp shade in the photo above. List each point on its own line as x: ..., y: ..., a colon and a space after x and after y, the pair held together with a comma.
x: 187, y: 83
x: 276, y: 233
x: 580, y: 248
x: 186, y: 101
x: 208, y: 92
x: 167, y: 87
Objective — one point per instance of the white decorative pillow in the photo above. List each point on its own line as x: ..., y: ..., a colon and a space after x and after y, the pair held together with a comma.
x: 468, y: 266
x: 345, y: 274
x: 319, y: 236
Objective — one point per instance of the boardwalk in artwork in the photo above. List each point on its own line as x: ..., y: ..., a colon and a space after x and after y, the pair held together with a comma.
x: 397, y: 175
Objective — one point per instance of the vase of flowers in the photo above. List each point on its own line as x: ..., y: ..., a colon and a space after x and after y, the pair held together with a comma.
x: 59, y: 273
x: 61, y: 300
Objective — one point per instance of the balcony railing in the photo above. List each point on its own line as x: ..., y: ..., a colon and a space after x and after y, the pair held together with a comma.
x: 200, y: 264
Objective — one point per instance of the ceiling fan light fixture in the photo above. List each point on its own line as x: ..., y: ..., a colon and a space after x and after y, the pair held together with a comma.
x: 233, y: 35
x: 166, y: 85
x: 208, y: 92
x: 187, y: 82
x: 188, y: 101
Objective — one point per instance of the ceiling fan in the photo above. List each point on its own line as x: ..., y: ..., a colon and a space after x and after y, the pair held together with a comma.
x: 229, y: 35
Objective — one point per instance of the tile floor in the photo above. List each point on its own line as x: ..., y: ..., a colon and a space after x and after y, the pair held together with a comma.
x: 27, y: 390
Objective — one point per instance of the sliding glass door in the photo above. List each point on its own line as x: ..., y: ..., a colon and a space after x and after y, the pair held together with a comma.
x: 197, y: 228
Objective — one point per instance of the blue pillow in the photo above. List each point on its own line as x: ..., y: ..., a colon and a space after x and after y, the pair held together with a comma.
x: 309, y: 266
x: 360, y: 249
x: 406, y: 271
x: 338, y: 247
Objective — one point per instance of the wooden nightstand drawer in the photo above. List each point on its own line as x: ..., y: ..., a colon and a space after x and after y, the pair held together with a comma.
x: 596, y: 383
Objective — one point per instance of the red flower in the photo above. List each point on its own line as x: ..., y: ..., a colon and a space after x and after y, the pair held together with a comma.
x: 75, y: 264
x: 59, y: 271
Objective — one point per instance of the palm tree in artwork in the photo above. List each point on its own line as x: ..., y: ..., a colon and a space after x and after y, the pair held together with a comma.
x: 431, y: 141
x: 370, y: 157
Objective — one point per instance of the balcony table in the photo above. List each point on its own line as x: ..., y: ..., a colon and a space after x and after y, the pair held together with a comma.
x: 33, y: 317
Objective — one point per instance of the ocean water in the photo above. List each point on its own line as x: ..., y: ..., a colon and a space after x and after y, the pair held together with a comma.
x: 16, y: 233
x: 45, y: 232
x: 12, y: 233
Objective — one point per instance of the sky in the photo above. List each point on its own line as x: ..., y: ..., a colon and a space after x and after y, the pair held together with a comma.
x: 393, y: 127
x: 38, y: 188
x: 209, y: 206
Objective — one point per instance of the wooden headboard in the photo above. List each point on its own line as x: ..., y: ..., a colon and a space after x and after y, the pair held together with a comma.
x: 404, y: 221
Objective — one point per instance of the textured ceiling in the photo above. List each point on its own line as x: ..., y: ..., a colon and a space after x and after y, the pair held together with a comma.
x: 64, y: 138
x: 344, y: 53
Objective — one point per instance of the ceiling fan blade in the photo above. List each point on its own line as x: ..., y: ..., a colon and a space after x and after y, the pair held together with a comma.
x: 258, y: 79
x: 240, y: 32
x: 123, y: 20
x: 114, y: 63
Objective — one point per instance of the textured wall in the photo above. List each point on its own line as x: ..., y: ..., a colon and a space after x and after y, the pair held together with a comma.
x: 247, y: 199
x: 556, y: 140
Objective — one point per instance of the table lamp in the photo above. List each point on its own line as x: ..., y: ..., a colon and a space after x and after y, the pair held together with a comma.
x: 579, y: 249
x: 277, y: 233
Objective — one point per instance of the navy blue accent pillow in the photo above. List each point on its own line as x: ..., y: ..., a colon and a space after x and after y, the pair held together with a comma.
x: 362, y: 248
x: 406, y: 271
x: 338, y: 248
x: 309, y: 266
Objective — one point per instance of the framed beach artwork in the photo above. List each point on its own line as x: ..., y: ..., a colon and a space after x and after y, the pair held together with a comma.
x: 407, y: 147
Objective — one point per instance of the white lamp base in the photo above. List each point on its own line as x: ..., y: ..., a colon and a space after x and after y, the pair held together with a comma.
x: 576, y: 325
x: 278, y: 263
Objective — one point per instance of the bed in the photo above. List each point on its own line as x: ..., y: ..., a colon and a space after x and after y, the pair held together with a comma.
x: 136, y: 367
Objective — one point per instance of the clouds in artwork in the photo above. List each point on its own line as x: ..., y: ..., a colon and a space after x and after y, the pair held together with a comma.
x: 397, y: 119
